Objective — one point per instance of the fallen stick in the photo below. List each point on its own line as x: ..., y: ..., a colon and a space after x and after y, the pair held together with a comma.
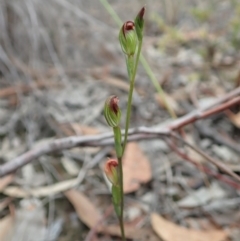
x: 203, y: 168
x: 105, y: 139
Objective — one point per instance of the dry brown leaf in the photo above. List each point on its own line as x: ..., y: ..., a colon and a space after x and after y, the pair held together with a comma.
x: 6, y: 224
x: 136, y: 168
x: 18, y: 192
x: 202, y: 223
x: 85, y: 209
x: 235, y: 118
x: 169, y: 231
x: 5, y: 181
x: 131, y: 232
x: 5, y: 203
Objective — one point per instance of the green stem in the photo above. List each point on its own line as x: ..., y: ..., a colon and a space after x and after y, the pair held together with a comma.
x: 145, y: 64
x: 132, y: 70
x: 130, y: 94
x: 122, y: 198
x: 130, y: 66
x: 119, y: 152
x: 118, y: 141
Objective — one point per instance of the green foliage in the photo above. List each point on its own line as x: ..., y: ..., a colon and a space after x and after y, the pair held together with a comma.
x: 139, y: 24
x: 112, y: 113
x: 118, y: 141
x: 235, y: 29
x: 201, y: 14
x: 171, y: 35
x: 116, y: 198
x: 128, y: 38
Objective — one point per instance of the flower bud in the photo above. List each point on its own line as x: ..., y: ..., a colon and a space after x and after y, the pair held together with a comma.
x: 112, y: 112
x: 139, y: 22
x: 111, y: 171
x: 128, y: 38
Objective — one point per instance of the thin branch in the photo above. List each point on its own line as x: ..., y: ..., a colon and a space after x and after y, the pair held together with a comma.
x: 212, y: 160
x: 105, y: 139
x: 204, y: 113
x: 203, y: 168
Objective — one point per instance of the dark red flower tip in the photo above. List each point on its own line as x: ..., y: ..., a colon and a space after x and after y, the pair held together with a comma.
x: 113, y: 104
x: 111, y: 171
x: 141, y: 12
x: 128, y: 26
x: 110, y: 164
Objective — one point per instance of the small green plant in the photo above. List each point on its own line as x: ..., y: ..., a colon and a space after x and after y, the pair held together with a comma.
x: 144, y: 63
x: 202, y: 15
x: 130, y: 38
x: 235, y: 28
x: 171, y: 35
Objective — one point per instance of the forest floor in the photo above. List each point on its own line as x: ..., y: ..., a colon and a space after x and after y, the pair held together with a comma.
x: 59, y: 61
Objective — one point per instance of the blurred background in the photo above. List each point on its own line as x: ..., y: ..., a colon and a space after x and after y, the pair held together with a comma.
x: 59, y: 61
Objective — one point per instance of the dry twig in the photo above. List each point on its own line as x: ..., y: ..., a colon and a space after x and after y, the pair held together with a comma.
x: 204, y: 168
x: 139, y: 133
x: 215, y: 162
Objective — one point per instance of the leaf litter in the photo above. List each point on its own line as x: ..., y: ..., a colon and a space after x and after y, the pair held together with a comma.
x: 33, y: 112
x: 169, y: 231
x: 136, y: 168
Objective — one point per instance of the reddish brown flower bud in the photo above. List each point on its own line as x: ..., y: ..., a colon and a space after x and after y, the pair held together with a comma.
x: 113, y: 104
x: 112, y: 112
x: 128, y: 38
x: 139, y: 23
x: 141, y: 13
x: 128, y: 26
x: 111, y: 171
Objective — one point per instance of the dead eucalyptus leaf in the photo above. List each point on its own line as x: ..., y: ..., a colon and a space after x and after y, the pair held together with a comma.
x: 5, y: 181
x: 136, y: 168
x: 85, y: 209
x: 6, y: 224
x: 169, y: 231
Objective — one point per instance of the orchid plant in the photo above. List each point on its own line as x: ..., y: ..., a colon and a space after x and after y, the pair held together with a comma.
x: 130, y: 38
